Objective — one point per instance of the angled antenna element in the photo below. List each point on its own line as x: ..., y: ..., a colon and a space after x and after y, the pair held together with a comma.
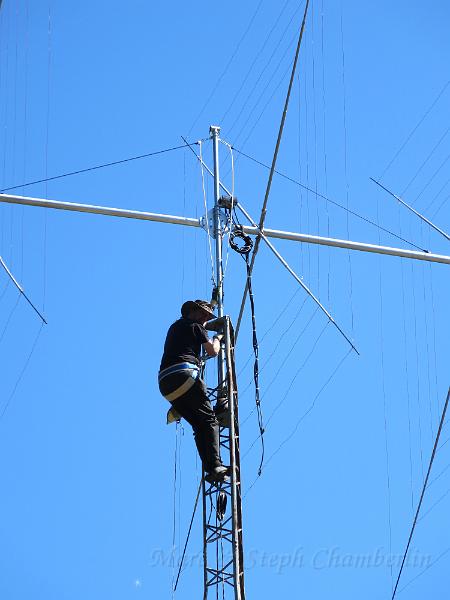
x: 22, y: 291
x: 413, y: 210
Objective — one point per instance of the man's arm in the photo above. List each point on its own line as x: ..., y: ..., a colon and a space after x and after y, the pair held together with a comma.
x: 212, y: 346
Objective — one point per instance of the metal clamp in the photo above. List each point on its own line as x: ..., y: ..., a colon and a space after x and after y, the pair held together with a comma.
x: 208, y: 223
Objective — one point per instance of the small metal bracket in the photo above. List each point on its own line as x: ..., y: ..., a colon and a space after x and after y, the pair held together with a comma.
x: 207, y: 222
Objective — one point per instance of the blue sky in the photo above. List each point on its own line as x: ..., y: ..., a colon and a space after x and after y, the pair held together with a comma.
x: 88, y: 501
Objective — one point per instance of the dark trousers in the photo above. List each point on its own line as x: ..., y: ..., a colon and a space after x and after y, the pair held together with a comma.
x: 195, y: 407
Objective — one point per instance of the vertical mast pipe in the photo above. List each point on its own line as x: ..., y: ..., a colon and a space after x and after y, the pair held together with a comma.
x: 215, y: 131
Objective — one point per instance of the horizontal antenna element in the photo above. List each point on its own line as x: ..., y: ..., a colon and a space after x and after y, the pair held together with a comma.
x: 191, y: 222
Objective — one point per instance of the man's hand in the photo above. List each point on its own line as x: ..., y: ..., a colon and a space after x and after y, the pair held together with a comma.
x: 212, y: 346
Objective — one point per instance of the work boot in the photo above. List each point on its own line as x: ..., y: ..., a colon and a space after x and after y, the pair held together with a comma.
x: 217, y: 474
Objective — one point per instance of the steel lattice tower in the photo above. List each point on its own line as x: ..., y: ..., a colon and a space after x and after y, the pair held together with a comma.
x: 222, y: 503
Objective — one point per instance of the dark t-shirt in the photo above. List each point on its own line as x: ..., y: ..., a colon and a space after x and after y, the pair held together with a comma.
x: 183, y: 343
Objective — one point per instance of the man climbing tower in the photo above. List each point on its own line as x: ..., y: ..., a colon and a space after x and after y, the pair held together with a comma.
x: 180, y: 381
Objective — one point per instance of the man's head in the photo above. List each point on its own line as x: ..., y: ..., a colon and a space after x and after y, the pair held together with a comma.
x: 199, y: 311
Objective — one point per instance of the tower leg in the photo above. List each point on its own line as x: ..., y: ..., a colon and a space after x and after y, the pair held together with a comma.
x: 222, y: 502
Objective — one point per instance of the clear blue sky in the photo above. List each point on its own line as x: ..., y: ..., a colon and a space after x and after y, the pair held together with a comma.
x: 86, y: 460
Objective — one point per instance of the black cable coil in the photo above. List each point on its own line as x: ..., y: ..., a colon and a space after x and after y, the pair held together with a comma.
x: 238, y: 233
